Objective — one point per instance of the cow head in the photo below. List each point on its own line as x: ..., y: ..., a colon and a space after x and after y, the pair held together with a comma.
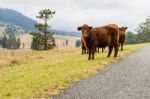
x: 122, y: 30
x: 85, y: 30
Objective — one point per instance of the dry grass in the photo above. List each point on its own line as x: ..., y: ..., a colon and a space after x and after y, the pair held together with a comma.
x: 26, y: 56
x: 8, y: 56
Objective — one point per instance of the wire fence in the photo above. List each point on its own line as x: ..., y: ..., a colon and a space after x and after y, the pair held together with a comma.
x: 14, y: 52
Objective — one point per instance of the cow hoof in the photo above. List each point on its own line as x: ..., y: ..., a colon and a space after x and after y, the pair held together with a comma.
x: 108, y: 56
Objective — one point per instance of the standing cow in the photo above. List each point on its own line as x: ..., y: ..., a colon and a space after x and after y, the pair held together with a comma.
x: 102, y: 36
x: 122, y: 34
x: 86, y: 29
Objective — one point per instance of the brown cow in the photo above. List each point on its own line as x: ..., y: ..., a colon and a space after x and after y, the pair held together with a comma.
x: 101, y: 37
x: 83, y: 42
x: 122, y: 31
x: 83, y: 37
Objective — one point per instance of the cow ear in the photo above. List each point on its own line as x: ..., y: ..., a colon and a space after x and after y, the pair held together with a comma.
x: 90, y: 27
x: 126, y: 27
x: 79, y: 28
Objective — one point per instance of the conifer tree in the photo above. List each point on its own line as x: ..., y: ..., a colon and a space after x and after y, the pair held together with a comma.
x: 44, y: 39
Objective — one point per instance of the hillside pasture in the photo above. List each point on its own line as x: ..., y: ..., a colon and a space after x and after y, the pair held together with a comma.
x: 59, y: 40
x: 2, y: 30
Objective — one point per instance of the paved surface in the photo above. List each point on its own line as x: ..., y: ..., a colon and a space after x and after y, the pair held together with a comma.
x: 127, y: 79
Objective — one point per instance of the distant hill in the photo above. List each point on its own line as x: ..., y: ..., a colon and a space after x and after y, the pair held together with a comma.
x: 17, y: 22
x: 65, y: 33
x: 9, y: 16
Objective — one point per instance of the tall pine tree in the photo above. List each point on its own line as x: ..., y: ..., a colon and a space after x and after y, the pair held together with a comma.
x: 43, y: 40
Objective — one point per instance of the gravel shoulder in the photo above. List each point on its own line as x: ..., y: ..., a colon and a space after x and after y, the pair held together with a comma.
x: 126, y: 79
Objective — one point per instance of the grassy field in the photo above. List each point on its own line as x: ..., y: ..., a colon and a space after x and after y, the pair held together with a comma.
x: 46, y: 73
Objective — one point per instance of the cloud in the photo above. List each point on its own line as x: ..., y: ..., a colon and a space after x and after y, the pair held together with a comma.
x: 73, y: 13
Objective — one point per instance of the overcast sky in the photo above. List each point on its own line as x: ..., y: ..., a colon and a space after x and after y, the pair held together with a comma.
x: 73, y: 13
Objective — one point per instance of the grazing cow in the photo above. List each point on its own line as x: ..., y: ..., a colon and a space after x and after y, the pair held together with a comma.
x: 101, y: 37
x: 122, y: 31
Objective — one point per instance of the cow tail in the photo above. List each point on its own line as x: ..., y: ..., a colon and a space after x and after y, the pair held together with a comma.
x: 118, y: 36
x: 84, y: 42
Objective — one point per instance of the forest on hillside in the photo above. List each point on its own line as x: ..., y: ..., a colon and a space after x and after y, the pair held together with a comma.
x: 143, y: 33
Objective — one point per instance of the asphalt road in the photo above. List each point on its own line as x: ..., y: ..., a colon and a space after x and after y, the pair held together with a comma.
x: 126, y: 79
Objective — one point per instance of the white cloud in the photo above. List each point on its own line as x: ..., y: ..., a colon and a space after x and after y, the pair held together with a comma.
x: 72, y: 13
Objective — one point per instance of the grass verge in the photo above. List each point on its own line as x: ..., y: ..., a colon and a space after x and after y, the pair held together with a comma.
x: 47, y: 73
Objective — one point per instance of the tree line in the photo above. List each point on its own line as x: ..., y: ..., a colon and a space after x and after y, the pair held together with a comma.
x: 142, y: 35
x: 10, y: 42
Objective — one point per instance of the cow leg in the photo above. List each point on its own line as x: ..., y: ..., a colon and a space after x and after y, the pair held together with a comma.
x: 82, y: 50
x: 89, y: 54
x: 119, y: 44
x: 116, y: 46
x: 87, y: 51
x: 98, y: 50
x: 103, y: 49
x: 110, y: 50
x: 93, y: 52
x: 122, y: 46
